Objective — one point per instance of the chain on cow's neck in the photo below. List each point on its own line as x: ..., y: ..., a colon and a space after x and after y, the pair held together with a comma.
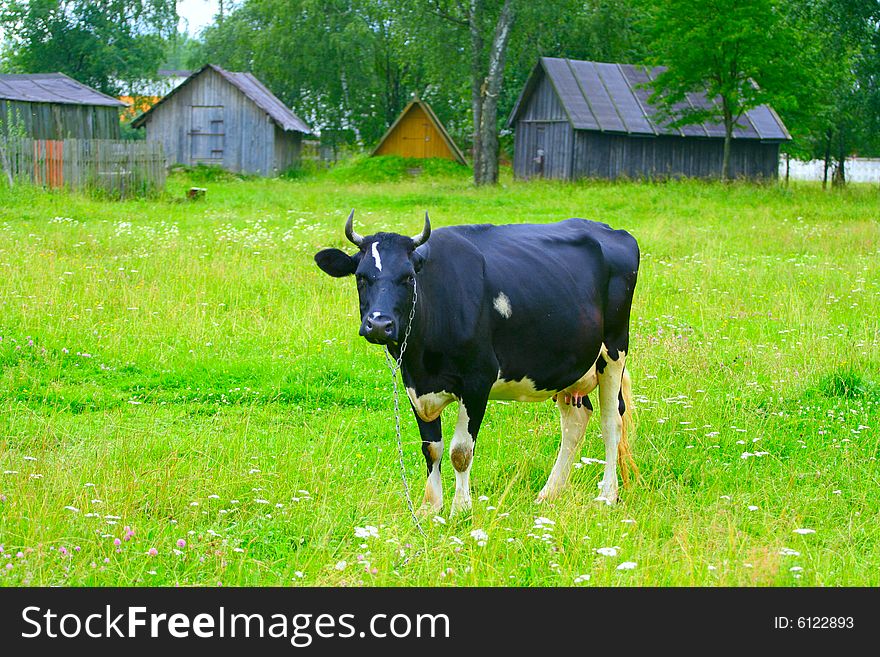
x: 394, y: 366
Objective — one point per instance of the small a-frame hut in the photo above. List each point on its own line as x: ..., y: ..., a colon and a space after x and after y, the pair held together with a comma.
x: 418, y: 133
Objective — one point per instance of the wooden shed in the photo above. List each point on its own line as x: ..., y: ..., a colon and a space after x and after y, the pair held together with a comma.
x: 418, y: 133
x: 227, y: 119
x: 579, y: 119
x: 54, y: 106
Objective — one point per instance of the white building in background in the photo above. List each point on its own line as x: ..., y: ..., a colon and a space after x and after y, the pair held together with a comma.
x: 858, y: 169
x: 166, y: 81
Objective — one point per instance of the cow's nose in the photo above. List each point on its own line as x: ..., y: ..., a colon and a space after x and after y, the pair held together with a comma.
x: 379, y: 328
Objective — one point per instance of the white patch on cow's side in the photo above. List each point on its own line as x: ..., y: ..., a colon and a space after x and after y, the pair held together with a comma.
x: 430, y: 405
x: 461, y: 453
x: 376, y: 257
x: 502, y: 305
x: 574, y: 424
x: 522, y: 390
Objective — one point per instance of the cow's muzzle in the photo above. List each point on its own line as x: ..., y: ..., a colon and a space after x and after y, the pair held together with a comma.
x: 379, y: 329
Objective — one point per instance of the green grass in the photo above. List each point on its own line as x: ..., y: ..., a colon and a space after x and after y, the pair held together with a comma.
x: 184, y: 369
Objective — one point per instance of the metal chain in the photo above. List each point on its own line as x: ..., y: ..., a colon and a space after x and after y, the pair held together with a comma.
x: 394, y: 367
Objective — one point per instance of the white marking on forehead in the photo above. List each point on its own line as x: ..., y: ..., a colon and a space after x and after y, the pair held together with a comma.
x: 376, y: 257
x: 502, y: 305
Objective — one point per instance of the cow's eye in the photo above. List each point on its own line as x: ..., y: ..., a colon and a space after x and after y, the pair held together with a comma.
x: 361, y: 281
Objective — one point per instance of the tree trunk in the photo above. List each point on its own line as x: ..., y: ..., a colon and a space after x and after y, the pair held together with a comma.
x: 728, y: 136
x: 839, y: 178
x: 787, y: 168
x: 475, y: 19
x: 487, y: 173
x: 827, y: 160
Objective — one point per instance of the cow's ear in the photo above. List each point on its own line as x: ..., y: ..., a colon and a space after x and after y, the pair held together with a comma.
x: 335, y: 262
x: 418, y: 260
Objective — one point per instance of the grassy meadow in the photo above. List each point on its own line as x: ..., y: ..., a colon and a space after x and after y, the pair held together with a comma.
x: 184, y: 399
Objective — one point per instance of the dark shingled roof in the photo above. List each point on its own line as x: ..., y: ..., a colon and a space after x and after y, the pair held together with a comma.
x: 610, y: 98
x: 250, y: 87
x: 52, y: 88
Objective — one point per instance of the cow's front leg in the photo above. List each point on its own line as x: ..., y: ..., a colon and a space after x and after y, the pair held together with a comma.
x: 461, y: 452
x: 432, y: 448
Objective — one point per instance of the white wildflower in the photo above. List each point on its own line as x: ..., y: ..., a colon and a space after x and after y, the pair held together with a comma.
x: 366, y: 532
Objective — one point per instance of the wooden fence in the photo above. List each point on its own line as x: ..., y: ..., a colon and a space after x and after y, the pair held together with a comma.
x: 119, y: 168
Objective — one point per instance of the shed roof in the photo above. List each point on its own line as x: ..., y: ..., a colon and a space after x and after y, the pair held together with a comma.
x: 52, y: 88
x: 610, y: 98
x: 253, y: 89
x: 417, y: 102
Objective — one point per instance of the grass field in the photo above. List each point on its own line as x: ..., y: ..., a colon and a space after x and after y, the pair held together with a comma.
x: 184, y: 398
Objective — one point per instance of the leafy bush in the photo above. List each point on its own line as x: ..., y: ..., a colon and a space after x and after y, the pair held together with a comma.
x: 391, y: 168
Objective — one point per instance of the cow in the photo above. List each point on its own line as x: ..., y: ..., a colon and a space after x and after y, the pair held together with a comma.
x: 524, y: 312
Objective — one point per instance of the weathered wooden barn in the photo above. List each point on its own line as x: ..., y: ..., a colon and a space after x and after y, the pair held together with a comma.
x: 418, y: 133
x: 54, y: 106
x: 227, y: 119
x: 579, y: 119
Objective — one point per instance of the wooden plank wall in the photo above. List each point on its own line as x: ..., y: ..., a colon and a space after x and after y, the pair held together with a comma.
x: 288, y: 149
x: 58, y: 121
x: 555, y: 138
x: 543, y: 122
x: 602, y: 155
x: 119, y: 168
x: 249, y: 139
x: 415, y: 136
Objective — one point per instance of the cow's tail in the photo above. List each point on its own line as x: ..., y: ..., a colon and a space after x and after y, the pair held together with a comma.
x: 628, y: 469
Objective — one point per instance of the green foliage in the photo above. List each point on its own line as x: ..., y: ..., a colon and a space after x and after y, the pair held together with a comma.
x: 848, y: 384
x: 126, y: 131
x: 205, y: 173
x: 839, y: 42
x: 349, y: 68
x: 390, y: 168
x: 14, y: 125
x: 108, y: 45
x: 739, y: 51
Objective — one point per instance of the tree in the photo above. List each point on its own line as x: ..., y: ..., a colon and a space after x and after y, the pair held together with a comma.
x: 736, y: 51
x: 486, y: 26
x: 108, y: 45
x: 843, y: 96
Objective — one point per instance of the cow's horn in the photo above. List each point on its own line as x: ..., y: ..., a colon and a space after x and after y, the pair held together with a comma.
x: 418, y: 240
x: 352, y: 236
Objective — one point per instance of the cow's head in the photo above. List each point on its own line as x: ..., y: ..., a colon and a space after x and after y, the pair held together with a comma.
x: 385, y: 267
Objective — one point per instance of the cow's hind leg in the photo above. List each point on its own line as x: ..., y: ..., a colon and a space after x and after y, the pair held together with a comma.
x: 612, y: 408
x: 574, y: 413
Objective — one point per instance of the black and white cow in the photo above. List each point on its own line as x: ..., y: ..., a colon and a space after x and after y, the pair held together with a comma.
x: 521, y: 312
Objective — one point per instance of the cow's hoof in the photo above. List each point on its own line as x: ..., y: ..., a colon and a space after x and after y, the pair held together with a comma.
x: 608, y: 498
x: 460, y: 506
x: 546, y: 495
x: 427, y: 510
